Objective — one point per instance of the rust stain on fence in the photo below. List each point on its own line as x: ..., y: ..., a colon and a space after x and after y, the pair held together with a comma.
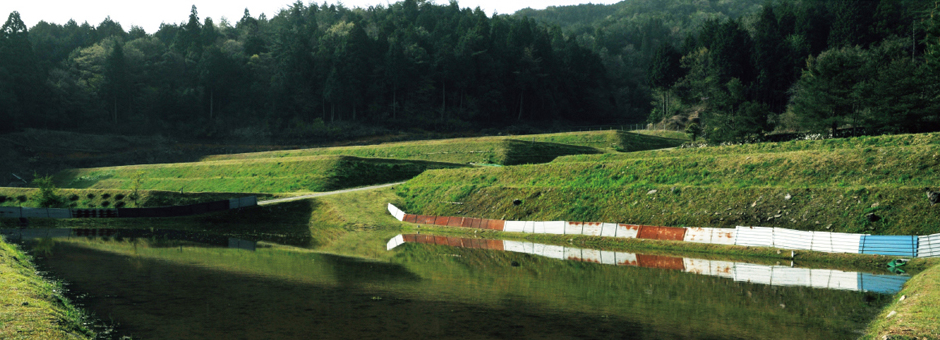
x: 661, y: 262
x: 661, y: 233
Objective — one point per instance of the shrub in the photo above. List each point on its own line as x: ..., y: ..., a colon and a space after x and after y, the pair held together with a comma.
x: 21, y: 198
x: 105, y: 196
x: 73, y: 197
x: 119, y: 197
x: 105, y: 203
x: 3, y: 199
x: 119, y: 205
x: 90, y: 196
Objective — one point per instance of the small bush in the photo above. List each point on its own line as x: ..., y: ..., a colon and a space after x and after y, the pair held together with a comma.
x: 90, y: 196
x: 73, y: 197
x: 21, y: 198
x: 119, y: 197
x: 119, y: 205
x: 3, y: 199
x: 73, y: 205
x: 105, y: 203
x: 91, y: 204
x: 105, y: 196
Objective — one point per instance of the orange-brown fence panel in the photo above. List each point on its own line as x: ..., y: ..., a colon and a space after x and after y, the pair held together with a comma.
x: 661, y: 262
x: 661, y: 233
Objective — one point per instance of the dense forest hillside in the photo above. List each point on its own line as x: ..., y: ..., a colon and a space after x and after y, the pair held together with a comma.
x: 736, y: 70
x: 727, y: 70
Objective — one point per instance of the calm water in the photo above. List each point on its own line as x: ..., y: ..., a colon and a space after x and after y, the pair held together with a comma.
x: 173, y: 285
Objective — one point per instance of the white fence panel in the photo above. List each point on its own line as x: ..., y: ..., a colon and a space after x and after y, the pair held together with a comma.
x: 514, y: 226
x: 754, y: 273
x: 528, y: 248
x: 555, y: 252
x: 698, y: 235
x: 819, y: 278
x: 609, y: 230
x: 514, y: 246
x: 697, y: 266
x: 627, y: 231
x: 928, y: 246
x: 608, y: 257
x: 843, y: 280
x: 528, y: 227
x: 574, y: 228
x: 836, y: 242
x: 573, y: 254
x: 538, y: 227
x: 723, y: 236
x: 626, y: 259
x: 591, y: 255
x: 754, y: 236
x: 399, y: 215
x: 793, y: 239
x: 555, y: 227
x: 592, y: 229
x: 723, y: 269
x: 395, y: 242
x: 786, y: 276
x: 10, y: 212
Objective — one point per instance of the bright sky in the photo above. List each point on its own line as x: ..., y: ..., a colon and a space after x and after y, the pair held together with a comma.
x: 149, y: 14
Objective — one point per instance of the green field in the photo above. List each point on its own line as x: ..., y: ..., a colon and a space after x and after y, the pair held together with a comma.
x: 269, y: 175
x: 810, y: 185
x: 487, y: 150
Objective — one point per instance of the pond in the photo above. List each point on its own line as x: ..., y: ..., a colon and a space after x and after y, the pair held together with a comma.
x: 177, y: 285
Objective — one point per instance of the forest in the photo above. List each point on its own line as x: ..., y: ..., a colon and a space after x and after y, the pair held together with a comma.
x: 725, y: 70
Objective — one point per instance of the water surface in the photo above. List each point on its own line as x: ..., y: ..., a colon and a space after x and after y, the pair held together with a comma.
x: 156, y: 287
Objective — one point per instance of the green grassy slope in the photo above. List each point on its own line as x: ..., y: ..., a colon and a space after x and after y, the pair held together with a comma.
x: 917, y: 316
x: 813, y: 185
x: 295, y: 174
x: 492, y: 150
x: 31, y: 307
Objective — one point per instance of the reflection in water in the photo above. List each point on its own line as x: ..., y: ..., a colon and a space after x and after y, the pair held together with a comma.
x: 157, y: 289
x: 738, y: 271
x: 17, y: 235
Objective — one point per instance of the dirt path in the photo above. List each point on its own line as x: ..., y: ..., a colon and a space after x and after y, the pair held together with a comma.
x: 297, y: 198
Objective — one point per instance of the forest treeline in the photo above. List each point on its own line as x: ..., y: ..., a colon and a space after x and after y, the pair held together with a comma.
x: 729, y: 70
x: 736, y: 70
x: 301, y: 73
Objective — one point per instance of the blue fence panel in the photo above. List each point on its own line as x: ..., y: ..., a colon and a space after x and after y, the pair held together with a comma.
x: 889, y: 245
x: 885, y: 284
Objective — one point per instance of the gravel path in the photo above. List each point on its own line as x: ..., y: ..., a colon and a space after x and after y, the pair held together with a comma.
x: 297, y: 198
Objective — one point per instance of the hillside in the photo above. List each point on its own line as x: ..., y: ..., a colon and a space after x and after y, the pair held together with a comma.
x: 867, y: 185
x: 313, y: 173
x: 510, y: 150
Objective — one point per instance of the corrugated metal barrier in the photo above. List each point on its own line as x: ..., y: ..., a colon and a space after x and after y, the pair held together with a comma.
x: 923, y: 246
x: 737, y: 271
x: 928, y: 246
x: 889, y: 245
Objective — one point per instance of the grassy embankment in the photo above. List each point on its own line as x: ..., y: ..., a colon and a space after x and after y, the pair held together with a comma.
x: 917, y: 316
x: 512, y: 150
x: 31, y: 307
x: 294, y: 174
x: 808, y: 185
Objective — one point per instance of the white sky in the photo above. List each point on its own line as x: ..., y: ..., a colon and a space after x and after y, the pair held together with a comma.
x: 149, y: 14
